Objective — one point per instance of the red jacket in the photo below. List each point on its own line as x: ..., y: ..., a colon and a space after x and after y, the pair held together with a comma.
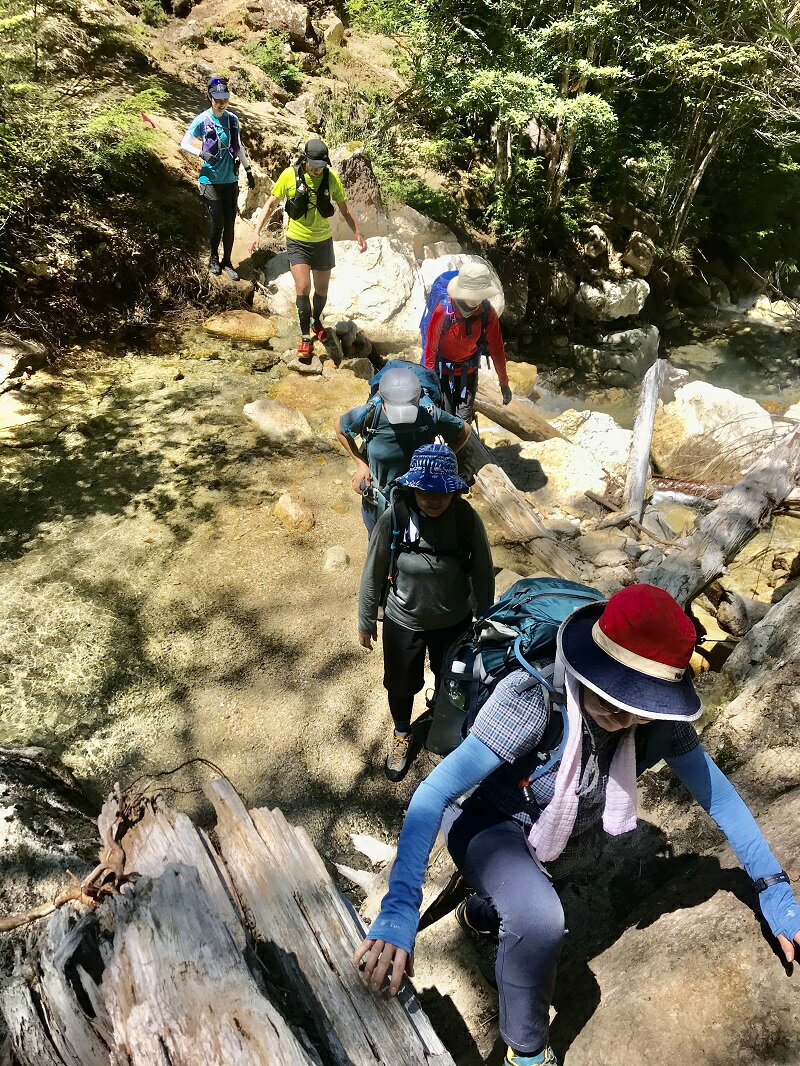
x: 454, y: 345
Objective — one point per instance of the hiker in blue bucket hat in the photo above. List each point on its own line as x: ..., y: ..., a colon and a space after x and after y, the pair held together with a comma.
x: 523, y: 808
x: 429, y: 563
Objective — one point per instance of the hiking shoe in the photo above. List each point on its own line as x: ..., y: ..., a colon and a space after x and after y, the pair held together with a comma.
x: 319, y: 332
x: 305, y: 350
x: 213, y: 266
x: 484, y: 943
x: 229, y: 270
x: 544, y: 1058
x: 399, y: 756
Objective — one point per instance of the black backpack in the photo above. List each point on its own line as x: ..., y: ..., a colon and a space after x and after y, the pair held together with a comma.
x: 299, y: 203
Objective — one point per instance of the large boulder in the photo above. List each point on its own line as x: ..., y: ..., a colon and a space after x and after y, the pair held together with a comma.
x: 280, y: 424
x: 603, y: 301
x: 430, y: 269
x: 620, y: 359
x: 569, y: 471
x: 280, y: 16
x: 241, y: 326
x: 599, y: 435
x: 709, y: 433
x: 639, y: 254
x: 378, y: 289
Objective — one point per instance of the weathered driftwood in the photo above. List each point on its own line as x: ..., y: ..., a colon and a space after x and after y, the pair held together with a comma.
x: 719, y: 536
x: 661, y: 373
x: 513, y: 512
x: 164, y: 971
x: 737, y: 615
x: 519, y: 417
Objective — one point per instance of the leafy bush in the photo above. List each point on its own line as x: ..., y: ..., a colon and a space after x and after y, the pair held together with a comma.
x: 222, y: 34
x: 268, y: 55
x: 152, y: 13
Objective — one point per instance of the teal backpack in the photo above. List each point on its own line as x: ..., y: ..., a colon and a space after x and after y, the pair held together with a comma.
x: 518, y: 631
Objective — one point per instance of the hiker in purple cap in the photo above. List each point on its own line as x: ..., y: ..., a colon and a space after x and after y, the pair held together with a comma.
x: 428, y: 561
x: 219, y: 134
x: 312, y: 191
x: 549, y: 766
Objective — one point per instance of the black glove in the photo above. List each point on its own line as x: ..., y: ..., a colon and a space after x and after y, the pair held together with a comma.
x: 208, y: 157
x: 507, y: 395
x: 251, y: 181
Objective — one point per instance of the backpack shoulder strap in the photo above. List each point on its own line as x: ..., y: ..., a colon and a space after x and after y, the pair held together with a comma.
x: 466, y: 533
x: 372, y: 418
x: 398, y: 504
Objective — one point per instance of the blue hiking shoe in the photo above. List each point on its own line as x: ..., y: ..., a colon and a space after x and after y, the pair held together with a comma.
x: 544, y: 1058
x: 484, y: 943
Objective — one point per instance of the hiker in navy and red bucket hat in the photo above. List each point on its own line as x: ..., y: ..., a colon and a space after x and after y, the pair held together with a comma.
x: 624, y: 688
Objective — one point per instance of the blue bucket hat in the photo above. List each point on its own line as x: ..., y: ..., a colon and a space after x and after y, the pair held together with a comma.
x: 434, y: 468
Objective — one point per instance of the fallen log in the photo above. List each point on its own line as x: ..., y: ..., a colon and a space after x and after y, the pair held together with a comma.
x: 661, y: 373
x: 169, y: 967
x: 720, y: 535
x: 737, y: 615
x: 513, y: 512
x: 518, y: 417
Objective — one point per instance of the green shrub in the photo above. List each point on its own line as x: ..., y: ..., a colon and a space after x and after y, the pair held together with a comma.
x: 268, y: 55
x: 152, y: 13
x: 221, y: 34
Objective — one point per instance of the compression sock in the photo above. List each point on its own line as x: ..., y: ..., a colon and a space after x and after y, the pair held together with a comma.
x: 304, y: 314
x: 319, y: 306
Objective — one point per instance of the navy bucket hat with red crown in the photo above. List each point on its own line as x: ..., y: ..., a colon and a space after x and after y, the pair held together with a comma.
x: 634, y: 651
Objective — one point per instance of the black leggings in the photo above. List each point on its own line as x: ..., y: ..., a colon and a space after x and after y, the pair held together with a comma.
x: 220, y: 201
x: 404, y: 663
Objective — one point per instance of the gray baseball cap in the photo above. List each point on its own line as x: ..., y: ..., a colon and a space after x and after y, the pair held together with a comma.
x: 400, y: 391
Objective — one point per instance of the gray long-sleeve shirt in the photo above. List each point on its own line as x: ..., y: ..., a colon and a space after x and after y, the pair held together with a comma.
x: 431, y: 591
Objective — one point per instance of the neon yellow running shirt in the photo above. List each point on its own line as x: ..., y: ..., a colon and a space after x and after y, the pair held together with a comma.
x: 311, y: 227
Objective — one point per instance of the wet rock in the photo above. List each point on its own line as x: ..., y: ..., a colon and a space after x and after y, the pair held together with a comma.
x: 639, y: 254
x: 242, y: 326
x: 720, y: 293
x: 709, y: 433
x: 336, y: 559
x: 606, y: 300
x: 693, y: 291
x: 362, y: 368
x: 294, y: 514
x: 278, y: 423
x: 600, y: 435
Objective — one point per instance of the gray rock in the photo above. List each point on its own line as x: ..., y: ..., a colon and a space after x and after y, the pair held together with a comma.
x: 639, y: 254
x: 651, y: 557
x: 307, y: 106
x: 279, y: 423
x: 633, y: 218
x: 279, y: 16
x: 611, y: 557
x: 312, y: 368
x: 361, y: 367
x: 603, y: 301
x: 720, y: 293
x: 694, y: 291
x: 336, y: 559
x: 189, y: 34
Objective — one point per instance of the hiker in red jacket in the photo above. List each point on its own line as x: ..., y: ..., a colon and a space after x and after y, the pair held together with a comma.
x: 463, y: 327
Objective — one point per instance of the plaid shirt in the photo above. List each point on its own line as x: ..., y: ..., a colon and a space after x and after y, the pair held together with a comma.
x: 515, y: 725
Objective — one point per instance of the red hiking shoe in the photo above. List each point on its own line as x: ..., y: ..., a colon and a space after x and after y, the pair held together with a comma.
x: 305, y: 349
x: 319, y: 332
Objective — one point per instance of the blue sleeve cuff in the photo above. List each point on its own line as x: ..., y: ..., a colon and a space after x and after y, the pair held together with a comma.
x: 462, y: 770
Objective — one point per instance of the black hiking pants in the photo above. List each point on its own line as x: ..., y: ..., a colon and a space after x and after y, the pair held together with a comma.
x: 220, y: 201
x: 404, y: 663
x: 458, y: 393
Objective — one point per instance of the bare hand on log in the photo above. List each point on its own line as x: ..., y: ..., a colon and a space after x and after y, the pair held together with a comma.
x: 374, y: 958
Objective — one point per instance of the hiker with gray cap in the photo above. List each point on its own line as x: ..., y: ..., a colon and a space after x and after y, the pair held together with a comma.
x: 462, y: 327
x: 429, y: 564
x: 312, y: 191
x: 399, y: 417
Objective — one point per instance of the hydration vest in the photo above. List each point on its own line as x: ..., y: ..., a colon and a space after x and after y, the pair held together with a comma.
x: 300, y: 204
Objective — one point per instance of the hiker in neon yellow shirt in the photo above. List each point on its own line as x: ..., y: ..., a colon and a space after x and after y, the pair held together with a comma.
x: 309, y: 244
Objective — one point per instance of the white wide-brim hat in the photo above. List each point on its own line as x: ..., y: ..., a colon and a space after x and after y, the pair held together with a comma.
x: 473, y: 283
